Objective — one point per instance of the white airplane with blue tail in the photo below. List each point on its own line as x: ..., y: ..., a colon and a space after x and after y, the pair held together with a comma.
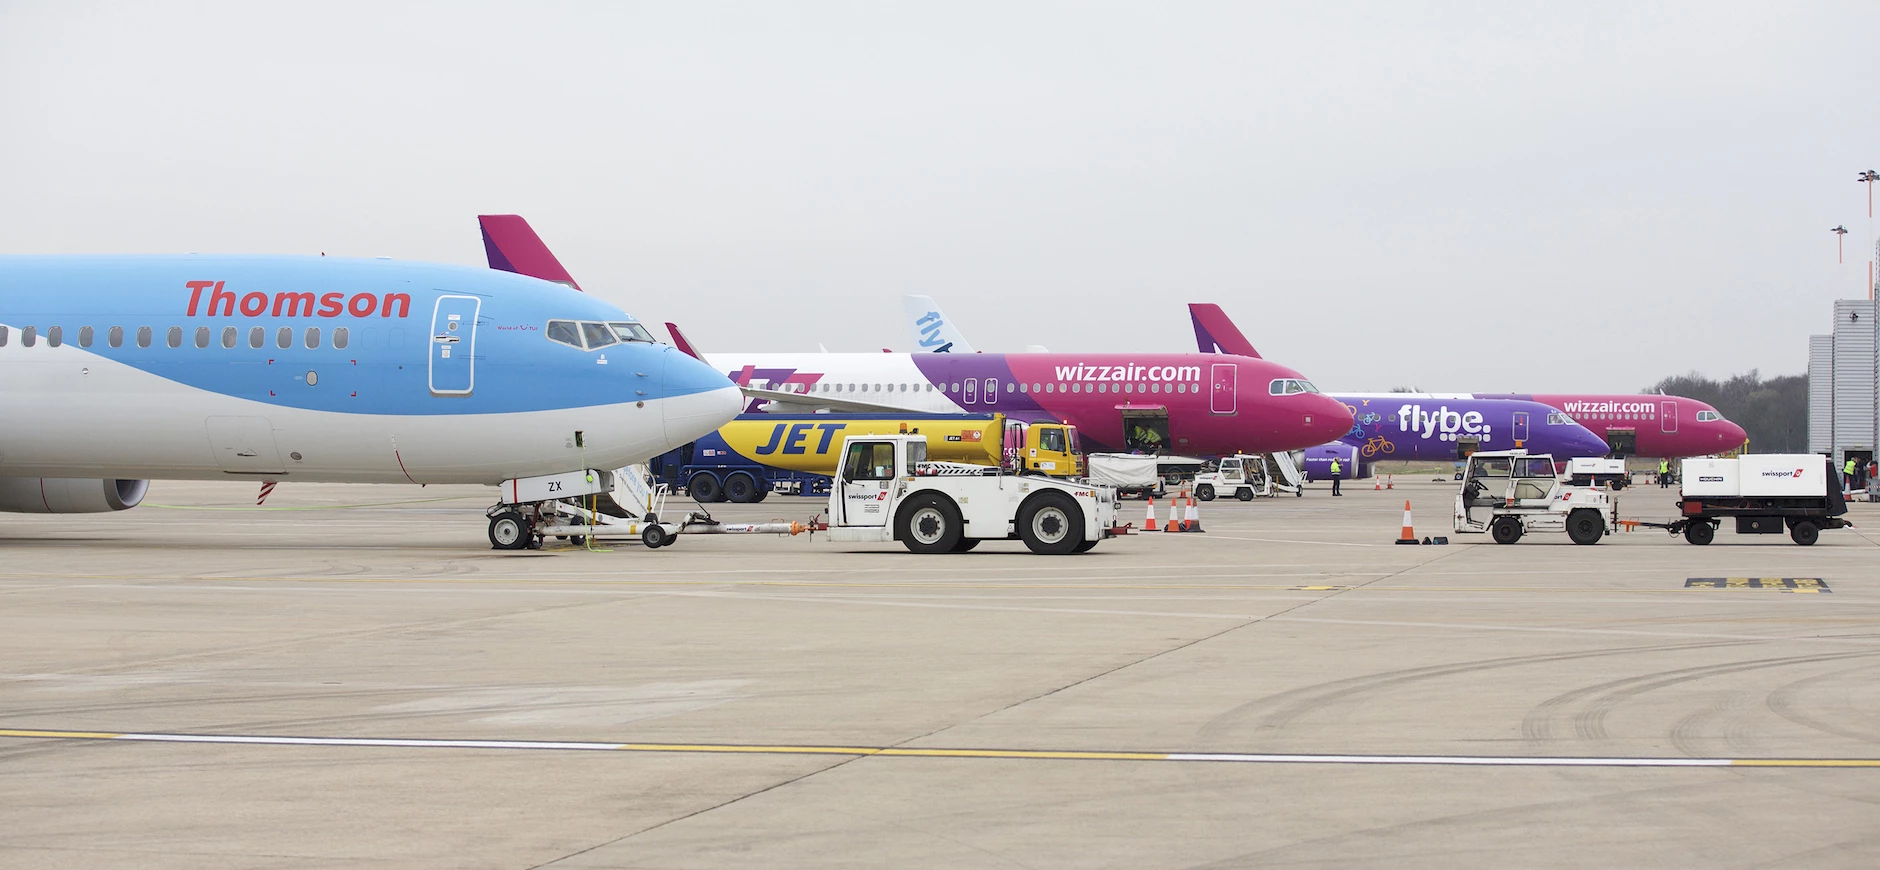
x: 116, y: 370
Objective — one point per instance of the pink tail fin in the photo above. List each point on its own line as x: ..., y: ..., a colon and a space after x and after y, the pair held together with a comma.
x: 1214, y: 332
x: 513, y: 246
x: 678, y: 341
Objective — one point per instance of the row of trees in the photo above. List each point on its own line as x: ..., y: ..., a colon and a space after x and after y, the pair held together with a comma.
x: 1774, y: 411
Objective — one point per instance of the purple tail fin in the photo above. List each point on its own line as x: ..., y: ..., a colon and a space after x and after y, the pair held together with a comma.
x: 513, y: 246
x: 1215, y: 333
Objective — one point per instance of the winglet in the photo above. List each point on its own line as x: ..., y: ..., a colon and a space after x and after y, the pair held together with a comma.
x: 678, y: 341
x: 1215, y: 333
x: 512, y: 246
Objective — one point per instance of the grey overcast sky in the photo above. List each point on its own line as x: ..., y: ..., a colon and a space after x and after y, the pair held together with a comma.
x: 1490, y: 196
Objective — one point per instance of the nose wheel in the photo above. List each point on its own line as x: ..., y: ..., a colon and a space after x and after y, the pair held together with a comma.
x: 510, y: 530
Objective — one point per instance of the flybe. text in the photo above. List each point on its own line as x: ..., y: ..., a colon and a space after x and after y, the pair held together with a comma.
x: 1450, y: 424
x: 1129, y: 373
x: 225, y: 303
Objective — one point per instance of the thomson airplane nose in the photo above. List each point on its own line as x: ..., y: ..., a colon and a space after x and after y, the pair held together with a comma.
x: 697, y: 399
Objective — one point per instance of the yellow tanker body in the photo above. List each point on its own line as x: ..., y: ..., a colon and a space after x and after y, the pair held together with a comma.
x: 812, y: 443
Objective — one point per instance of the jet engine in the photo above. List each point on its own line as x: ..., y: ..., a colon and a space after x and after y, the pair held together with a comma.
x: 69, y: 495
x: 1318, y: 463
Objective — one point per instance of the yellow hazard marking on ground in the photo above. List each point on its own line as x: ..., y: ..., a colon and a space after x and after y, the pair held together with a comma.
x: 1778, y: 584
x: 918, y: 752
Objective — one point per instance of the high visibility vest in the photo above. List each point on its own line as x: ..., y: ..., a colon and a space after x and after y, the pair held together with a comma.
x: 1663, y: 466
x: 1850, y: 467
x: 1334, y: 466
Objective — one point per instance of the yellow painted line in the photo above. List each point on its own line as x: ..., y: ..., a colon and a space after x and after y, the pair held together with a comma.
x: 918, y: 752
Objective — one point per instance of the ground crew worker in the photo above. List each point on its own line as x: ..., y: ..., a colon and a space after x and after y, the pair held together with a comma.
x: 1849, y: 473
x: 1664, y: 473
x: 1335, y: 470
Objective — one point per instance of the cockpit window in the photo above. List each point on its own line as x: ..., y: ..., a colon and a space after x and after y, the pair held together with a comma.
x: 1556, y: 418
x: 564, y: 332
x: 1708, y: 416
x: 1290, y: 386
x: 629, y: 331
x: 598, y: 335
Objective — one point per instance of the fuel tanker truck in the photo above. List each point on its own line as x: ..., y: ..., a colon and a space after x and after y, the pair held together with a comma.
x: 757, y: 454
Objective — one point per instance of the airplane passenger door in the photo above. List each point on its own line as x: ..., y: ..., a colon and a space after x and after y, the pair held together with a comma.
x: 1520, y: 428
x: 245, y: 445
x: 972, y: 391
x: 1222, y: 394
x: 453, y: 345
x: 1668, y: 417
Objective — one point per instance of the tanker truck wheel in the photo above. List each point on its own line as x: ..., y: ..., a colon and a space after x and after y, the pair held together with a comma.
x: 741, y: 488
x: 705, y: 488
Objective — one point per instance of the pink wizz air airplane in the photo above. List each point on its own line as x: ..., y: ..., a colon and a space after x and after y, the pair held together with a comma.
x: 1188, y: 402
x: 1633, y: 425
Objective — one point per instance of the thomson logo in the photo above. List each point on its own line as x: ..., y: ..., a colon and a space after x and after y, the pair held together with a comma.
x: 1783, y: 475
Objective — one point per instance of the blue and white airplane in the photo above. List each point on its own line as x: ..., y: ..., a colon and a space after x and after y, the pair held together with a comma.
x: 118, y: 370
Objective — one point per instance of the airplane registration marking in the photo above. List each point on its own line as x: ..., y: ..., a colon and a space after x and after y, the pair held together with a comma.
x: 919, y: 752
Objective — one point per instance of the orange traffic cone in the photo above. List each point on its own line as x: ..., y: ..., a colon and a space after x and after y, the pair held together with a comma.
x: 1409, y: 535
x: 1377, y: 484
x: 1192, y: 522
x: 1149, y: 524
x: 1390, y: 481
x: 1174, y: 525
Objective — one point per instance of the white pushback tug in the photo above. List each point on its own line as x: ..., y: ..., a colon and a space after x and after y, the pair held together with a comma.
x: 1508, y: 493
x: 884, y: 490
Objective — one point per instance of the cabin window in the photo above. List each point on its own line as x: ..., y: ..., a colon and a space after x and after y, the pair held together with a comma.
x: 202, y: 336
x: 84, y: 336
x: 229, y: 336
x: 564, y: 332
x: 313, y: 336
x: 174, y: 337
x: 55, y: 336
x: 341, y: 337
x: 143, y: 336
x: 3, y: 336
x: 284, y: 337
x: 29, y: 336
x: 257, y: 337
